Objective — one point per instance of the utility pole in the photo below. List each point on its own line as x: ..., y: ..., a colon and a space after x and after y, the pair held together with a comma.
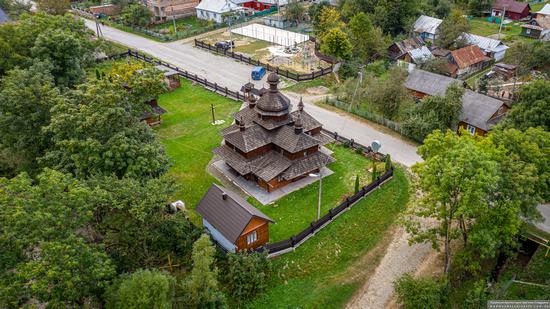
x: 97, y: 27
x: 213, y: 117
x: 174, y: 20
x: 229, y: 23
x: 501, y: 22
x: 359, y: 81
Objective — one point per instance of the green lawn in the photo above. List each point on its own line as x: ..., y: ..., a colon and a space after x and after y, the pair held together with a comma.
x: 189, y: 136
x: 317, y: 274
x: 190, y: 24
x: 512, y: 31
x: 296, y: 211
x: 537, y: 7
x: 302, y: 87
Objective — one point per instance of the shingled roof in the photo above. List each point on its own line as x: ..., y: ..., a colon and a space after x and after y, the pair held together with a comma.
x: 227, y: 212
x: 467, y: 56
x: 478, y: 109
x: 429, y: 83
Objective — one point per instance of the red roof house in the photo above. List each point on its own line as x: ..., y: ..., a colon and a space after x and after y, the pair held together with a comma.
x: 514, y: 10
x: 469, y: 59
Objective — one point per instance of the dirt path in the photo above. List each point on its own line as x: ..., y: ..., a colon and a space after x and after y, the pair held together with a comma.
x: 399, y: 259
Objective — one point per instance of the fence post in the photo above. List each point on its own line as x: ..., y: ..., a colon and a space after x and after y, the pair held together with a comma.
x: 226, y: 91
x: 312, y: 228
x: 336, y: 136
x: 351, y: 143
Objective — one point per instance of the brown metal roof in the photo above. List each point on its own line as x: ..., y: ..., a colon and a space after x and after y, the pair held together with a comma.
x: 510, y: 5
x: 229, y: 216
x: 467, y: 56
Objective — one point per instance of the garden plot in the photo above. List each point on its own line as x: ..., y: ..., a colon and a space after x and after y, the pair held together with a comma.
x: 272, y: 35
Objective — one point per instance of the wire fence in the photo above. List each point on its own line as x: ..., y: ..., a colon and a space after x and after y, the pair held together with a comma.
x: 286, y: 73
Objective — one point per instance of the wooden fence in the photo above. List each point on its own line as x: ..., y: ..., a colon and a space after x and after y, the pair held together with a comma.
x: 287, y: 245
x: 183, y: 73
x: 283, y: 72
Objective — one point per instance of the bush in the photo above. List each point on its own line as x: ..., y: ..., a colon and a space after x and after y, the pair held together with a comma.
x: 246, y: 275
x: 142, y: 289
x: 420, y: 293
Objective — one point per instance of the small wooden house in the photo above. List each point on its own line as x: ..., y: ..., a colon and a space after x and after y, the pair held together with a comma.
x: 511, y: 9
x: 153, y: 118
x: 426, y: 27
x: 505, y: 71
x: 231, y: 221
x: 537, y: 28
x: 469, y: 59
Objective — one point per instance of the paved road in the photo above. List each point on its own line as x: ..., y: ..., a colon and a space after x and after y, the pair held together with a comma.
x: 233, y: 74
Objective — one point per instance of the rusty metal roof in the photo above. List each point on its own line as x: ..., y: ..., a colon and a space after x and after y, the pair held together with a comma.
x: 467, y: 56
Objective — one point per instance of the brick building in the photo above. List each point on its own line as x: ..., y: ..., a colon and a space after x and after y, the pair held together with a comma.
x: 163, y: 9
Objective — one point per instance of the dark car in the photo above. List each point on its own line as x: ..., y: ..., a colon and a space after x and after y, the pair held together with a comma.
x: 225, y: 45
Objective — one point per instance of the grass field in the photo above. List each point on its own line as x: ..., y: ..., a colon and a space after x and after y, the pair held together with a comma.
x: 296, y: 211
x: 321, y: 272
x: 190, y: 23
x: 512, y: 31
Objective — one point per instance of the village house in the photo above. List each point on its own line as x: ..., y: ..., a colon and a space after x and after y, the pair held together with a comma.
x: 492, y: 48
x: 539, y: 26
x: 469, y: 59
x: 514, y: 10
x: 479, y: 112
x: 105, y: 9
x: 426, y: 27
x: 217, y: 10
x: 231, y: 221
x: 162, y: 9
x: 271, y: 146
x: 400, y: 50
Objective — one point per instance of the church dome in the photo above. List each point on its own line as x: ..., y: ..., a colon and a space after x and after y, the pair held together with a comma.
x: 273, y: 102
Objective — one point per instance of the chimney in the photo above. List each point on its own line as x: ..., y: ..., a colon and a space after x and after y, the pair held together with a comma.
x: 298, y: 127
x: 224, y: 196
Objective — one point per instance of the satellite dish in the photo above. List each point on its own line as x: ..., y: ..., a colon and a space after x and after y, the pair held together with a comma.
x: 376, y: 145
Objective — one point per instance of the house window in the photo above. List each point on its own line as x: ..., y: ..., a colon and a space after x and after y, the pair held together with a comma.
x: 471, y: 129
x: 528, y: 31
x: 251, y: 238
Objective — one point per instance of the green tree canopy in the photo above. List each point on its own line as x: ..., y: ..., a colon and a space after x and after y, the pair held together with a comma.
x: 419, y: 293
x: 96, y: 131
x: 388, y: 95
x: 246, y: 275
x: 395, y: 16
x: 142, y: 289
x: 532, y: 108
x: 295, y: 11
x: 452, y: 27
x: 336, y: 43
x: 54, y: 7
x: 26, y: 96
x: 369, y: 41
x: 136, y: 15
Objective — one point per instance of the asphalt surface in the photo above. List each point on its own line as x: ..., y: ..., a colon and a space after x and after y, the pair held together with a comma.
x: 232, y: 74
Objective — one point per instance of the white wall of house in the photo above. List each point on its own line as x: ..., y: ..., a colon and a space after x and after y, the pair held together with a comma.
x: 224, y: 242
x: 207, y: 15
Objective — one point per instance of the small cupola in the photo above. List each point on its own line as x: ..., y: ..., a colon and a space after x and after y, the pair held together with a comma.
x: 298, y: 126
x: 241, y: 124
x: 301, y: 105
x: 224, y: 196
x: 251, y: 101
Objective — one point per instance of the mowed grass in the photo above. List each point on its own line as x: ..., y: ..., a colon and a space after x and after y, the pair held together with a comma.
x: 512, y: 31
x: 296, y: 211
x: 188, y: 135
x: 317, y: 274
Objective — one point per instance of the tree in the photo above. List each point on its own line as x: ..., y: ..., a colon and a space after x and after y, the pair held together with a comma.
x: 329, y: 18
x: 419, y: 293
x: 478, y: 7
x: 435, y: 65
x: 529, y: 55
x: 395, y: 16
x: 96, y: 131
x: 26, y: 96
x: 67, y: 53
x: 314, y: 12
x: 136, y: 15
x: 47, y: 261
x: 532, y: 108
x: 387, y: 96
x: 132, y: 221
x: 370, y: 42
x: 434, y: 113
x: 356, y: 189
x: 295, y: 12
x: 246, y: 275
x: 336, y: 43
x: 142, y: 289
x: 201, y: 289
x: 388, y: 162
x: 462, y: 187
x: 452, y: 27
x: 54, y: 7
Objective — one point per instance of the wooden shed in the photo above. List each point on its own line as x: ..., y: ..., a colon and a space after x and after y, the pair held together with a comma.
x: 231, y: 221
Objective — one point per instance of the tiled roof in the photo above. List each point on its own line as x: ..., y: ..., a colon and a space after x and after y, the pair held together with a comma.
x: 229, y: 215
x: 427, y: 24
x: 252, y: 137
x: 307, y: 164
x: 467, y: 56
x: 286, y: 138
x: 510, y: 5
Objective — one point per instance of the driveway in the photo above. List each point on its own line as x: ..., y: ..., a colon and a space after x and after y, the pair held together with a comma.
x: 232, y: 74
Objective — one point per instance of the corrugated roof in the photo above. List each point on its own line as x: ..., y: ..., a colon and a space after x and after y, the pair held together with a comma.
x: 229, y: 216
x: 218, y: 6
x: 406, y: 45
x: 510, y: 5
x: 429, y: 83
x: 467, y: 56
x: 427, y: 24
x: 484, y: 43
x: 545, y: 10
x: 421, y: 54
x: 477, y: 109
